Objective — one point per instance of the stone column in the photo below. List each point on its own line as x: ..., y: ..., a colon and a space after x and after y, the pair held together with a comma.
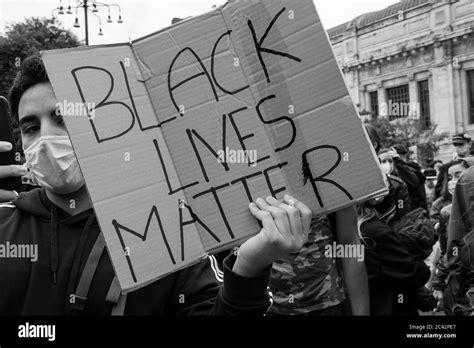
x: 382, y: 100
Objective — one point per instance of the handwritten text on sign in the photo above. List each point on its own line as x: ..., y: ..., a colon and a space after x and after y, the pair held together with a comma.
x: 184, y: 103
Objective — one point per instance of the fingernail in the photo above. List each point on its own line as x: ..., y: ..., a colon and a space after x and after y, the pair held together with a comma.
x: 291, y: 203
x: 270, y: 198
x: 259, y: 200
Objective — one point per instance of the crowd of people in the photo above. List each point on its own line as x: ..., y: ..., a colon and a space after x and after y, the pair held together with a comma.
x: 415, y: 245
x: 423, y: 228
x: 418, y: 250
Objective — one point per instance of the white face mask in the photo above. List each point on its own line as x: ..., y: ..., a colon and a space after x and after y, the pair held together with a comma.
x: 386, y: 167
x: 53, y: 164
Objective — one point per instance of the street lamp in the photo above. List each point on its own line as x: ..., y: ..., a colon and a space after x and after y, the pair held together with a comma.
x: 89, y: 6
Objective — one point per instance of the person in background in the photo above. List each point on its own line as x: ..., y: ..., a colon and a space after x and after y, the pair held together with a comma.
x: 312, y: 283
x: 436, y: 165
x: 462, y: 142
x: 412, y: 226
x: 433, y: 259
x: 386, y: 161
x: 439, y: 214
x: 430, y: 183
x: 395, y: 276
x: 398, y: 191
x: 458, y: 296
x: 410, y: 173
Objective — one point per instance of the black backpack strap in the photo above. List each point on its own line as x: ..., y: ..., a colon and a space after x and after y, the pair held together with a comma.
x: 80, y: 297
x: 115, y: 297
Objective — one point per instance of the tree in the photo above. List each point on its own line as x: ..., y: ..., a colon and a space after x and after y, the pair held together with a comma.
x: 408, y: 132
x: 27, y: 38
x: 24, y: 39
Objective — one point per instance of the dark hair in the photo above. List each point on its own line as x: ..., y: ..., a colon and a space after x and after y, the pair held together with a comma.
x: 444, y: 188
x: 429, y: 172
x: 374, y: 136
x: 382, y: 151
x: 32, y: 72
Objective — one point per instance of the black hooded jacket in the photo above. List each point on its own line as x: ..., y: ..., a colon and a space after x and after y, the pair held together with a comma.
x: 394, y: 275
x: 65, y: 244
x: 410, y: 173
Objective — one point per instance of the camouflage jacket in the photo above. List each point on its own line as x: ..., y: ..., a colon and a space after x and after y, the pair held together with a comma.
x: 308, y: 281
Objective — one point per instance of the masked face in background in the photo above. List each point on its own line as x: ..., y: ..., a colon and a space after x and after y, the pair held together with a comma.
x: 385, y: 206
x: 386, y: 163
x: 463, y: 149
x: 454, y: 173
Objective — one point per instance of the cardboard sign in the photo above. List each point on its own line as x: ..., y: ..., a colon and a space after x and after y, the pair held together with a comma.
x: 183, y: 128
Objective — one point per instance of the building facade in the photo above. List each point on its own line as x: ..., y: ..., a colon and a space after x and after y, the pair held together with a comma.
x: 414, y: 58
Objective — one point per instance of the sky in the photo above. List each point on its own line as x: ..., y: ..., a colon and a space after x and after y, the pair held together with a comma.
x: 142, y: 17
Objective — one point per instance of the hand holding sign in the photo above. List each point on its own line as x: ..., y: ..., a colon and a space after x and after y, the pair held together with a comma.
x: 255, y: 76
x: 285, y: 230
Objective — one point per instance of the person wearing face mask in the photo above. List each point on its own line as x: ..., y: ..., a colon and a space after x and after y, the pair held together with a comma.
x: 462, y: 143
x: 73, y: 273
x: 459, y: 293
x: 439, y: 214
x: 386, y: 161
x: 393, y: 272
x: 398, y: 191
x: 52, y: 164
x: 430, y: 183
x: 410, y: 173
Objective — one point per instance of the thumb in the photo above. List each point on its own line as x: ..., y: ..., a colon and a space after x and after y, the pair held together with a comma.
x: 5, y: 146
x: 8, y: 196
